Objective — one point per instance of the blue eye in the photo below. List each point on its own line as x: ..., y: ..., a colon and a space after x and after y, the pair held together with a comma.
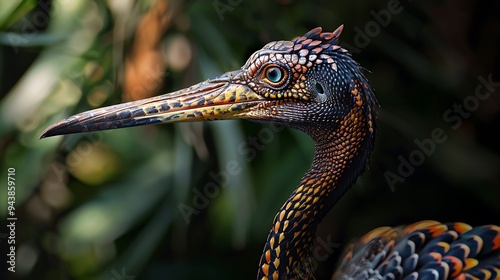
x: 274, y: 74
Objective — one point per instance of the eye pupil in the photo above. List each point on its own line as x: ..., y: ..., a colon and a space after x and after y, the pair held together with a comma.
x: 274, y: 74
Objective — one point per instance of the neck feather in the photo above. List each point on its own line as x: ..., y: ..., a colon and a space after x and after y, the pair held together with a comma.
x: 341, y: 155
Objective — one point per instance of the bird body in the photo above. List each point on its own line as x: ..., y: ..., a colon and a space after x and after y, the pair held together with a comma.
x: 312, y: 84
x: 424, y: 250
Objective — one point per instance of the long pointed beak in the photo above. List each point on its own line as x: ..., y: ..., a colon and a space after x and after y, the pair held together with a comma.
x: 214, y: 99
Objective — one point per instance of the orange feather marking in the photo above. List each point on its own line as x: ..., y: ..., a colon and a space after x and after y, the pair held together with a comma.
x: 457, y: 265
x: 470, y: 263
x: 496, y: 240
x: 445, y: 245
x: 265, y: 269
x: 461, y: 227
x: 486, y: 272
x: 268, y: 256
x: 375, y: 233
x: 421, y: 225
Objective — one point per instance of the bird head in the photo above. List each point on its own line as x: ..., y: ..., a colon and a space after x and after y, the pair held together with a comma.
x: 309, y: 83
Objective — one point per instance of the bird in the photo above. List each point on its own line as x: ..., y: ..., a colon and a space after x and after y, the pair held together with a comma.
x: 312, y: 84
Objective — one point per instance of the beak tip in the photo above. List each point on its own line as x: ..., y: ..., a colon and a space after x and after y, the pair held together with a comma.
x: 44, y: 134
x: 49, y: 132
x: 56, y: 129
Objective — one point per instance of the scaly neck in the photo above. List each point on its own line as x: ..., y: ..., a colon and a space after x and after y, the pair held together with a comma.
x: 340, y: 157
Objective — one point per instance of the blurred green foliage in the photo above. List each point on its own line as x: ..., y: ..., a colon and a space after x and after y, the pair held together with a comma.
x: 107, y: 205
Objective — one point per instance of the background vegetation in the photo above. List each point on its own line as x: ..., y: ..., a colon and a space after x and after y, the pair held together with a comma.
x: 106, y: 205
